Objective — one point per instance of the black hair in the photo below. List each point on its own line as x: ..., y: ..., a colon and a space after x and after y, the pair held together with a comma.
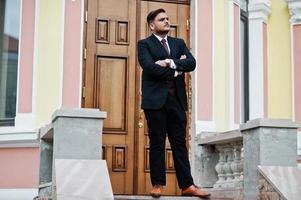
x: 153, y: 14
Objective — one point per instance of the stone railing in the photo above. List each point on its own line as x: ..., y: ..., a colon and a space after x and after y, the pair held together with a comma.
x: 228, y: 168
x: 227, y: 163
x: 230, y: 165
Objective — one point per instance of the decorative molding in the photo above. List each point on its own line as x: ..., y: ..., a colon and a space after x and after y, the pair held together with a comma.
x: 122, y: 32
x: 23, y: 134
x: 259, y: 9
x: 295, y: 11
x: 102, y: 31
x: 13, y: 138
x: 119, y: 158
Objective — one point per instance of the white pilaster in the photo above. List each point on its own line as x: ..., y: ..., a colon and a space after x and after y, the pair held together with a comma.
x: 231, y: 65
x: 259, y: 11
x: 294, y: 7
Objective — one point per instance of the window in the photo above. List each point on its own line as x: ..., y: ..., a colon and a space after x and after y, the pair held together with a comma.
x: 9, y: 43
x: 244, y: 57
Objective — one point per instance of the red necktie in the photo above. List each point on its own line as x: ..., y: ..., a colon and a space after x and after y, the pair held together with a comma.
x: 163, y: 41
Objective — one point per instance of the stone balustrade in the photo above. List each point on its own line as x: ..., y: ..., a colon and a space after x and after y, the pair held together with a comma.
x: 227, y: 162
x: 228, y: 167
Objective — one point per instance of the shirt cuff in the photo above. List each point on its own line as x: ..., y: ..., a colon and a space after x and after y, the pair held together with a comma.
x: 172, y: 64
x: 176, y: 73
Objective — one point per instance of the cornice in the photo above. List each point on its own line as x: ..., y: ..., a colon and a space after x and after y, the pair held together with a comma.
x: 259, y: 9
x: 294, y: 7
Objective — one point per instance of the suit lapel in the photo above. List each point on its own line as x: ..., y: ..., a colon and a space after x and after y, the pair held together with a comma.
x: 159, y: 46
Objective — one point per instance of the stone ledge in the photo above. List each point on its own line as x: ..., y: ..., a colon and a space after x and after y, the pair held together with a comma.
x: 271, y: 123
x: 226, y: 193
x: 220, y: 138
x: 79, y: 113
x: 19, y: 139
x: 46, y: 132
x: 140, y: 197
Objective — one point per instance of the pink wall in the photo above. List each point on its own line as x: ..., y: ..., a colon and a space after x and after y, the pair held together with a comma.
x: 297, y: 72
x: 265, y: 69
x: 26, y: 57
x: 237, y: 102
x: 72, y: 54
x: 19, y: 167
x: 204, y: 62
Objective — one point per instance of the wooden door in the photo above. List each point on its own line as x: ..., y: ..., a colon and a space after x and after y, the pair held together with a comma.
x: 179, y: 17
x: 111, y: 82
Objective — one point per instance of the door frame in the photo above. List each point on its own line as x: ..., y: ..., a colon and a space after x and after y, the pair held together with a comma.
x: 138, y: 80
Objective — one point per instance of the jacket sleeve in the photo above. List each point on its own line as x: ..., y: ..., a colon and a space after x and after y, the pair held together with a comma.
x: 188, y: 64
x: 150, y: 67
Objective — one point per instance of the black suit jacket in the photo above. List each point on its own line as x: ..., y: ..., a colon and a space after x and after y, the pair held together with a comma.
x: 155, y: 77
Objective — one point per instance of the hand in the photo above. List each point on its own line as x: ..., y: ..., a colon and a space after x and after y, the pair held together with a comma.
x: 183, y: 57
x: 162, y: 63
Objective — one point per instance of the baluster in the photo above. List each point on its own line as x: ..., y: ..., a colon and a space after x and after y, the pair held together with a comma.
x: 220, y: 167
x: 237, y: 164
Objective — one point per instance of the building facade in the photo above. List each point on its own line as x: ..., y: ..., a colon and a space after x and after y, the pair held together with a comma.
x: 74, y: 53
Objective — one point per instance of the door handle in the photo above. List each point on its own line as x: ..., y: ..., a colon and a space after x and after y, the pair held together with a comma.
x: 140, y: 124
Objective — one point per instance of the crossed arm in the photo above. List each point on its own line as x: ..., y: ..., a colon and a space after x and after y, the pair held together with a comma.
x: 186, y: 63
x: 161, y: 69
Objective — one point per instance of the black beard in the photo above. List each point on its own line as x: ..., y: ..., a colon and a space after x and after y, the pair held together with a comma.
x: 162, y: 32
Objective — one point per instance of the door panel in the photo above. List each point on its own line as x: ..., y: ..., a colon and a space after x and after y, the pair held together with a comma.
x: 112, y: 82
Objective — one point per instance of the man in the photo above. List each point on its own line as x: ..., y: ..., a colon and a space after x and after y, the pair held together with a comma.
x: 164, y: 61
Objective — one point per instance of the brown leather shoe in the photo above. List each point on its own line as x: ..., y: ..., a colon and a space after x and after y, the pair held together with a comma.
x: 156, y: 191
x: 194, y: 191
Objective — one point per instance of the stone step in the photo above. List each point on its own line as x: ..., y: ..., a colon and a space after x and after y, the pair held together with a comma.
x: 129, y: 197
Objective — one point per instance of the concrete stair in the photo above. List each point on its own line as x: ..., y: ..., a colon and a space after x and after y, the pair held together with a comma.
x: 129, y: 197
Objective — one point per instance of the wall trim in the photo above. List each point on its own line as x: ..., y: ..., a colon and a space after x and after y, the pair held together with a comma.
x: 231, y: 66
x: 81, y: 54
x: 11, y: 138
x: 19, y: 55
x: 293, y: 72
x: 24, y: 194
x: 213, y: 65
x: 35, y: 56
x: 62, y: 54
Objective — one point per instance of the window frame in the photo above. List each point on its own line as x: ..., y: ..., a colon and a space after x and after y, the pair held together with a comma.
x: 245, y: 65
x: 10, y: 121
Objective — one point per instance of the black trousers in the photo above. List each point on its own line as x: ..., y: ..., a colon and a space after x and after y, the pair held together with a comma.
x: 170, y: 120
